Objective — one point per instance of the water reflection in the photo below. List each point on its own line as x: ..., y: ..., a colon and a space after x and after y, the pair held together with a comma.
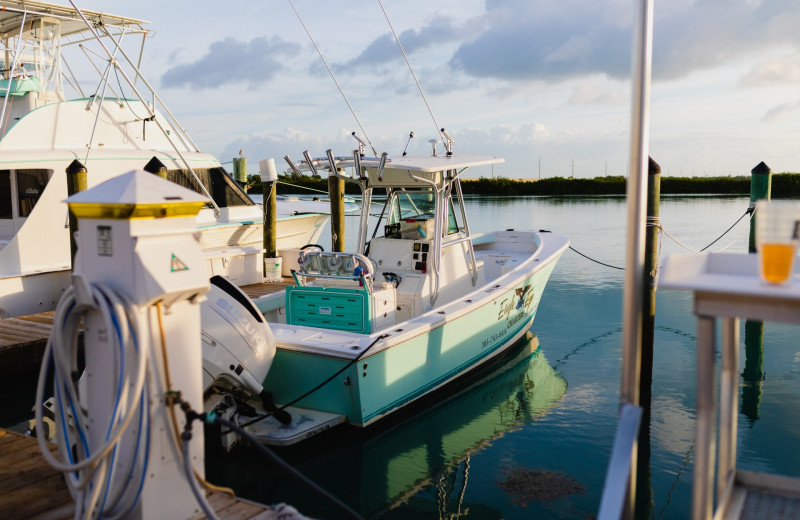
x: 419, y: 466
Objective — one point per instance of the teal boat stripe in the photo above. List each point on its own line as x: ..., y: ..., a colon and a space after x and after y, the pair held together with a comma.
x: 410, y: 397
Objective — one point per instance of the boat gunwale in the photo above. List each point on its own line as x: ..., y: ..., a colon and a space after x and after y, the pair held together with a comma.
x: 434, y: 318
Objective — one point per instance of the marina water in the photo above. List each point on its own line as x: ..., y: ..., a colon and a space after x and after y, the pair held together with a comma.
x: 530, y: 436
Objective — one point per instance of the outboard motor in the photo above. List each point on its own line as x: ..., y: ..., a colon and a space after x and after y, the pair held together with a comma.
x: 238, y: 345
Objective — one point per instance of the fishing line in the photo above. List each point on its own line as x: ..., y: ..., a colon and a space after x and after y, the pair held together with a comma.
x: 334, y: 79
x: 438, y: 128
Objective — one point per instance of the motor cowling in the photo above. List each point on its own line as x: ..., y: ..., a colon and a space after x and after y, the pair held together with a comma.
x: 238, y: 345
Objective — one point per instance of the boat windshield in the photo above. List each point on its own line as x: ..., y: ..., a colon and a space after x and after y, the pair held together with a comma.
x: 412, y: 204
x: 417, y: 208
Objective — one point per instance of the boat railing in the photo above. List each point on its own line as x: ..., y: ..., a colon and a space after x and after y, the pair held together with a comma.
x: 182, y: 134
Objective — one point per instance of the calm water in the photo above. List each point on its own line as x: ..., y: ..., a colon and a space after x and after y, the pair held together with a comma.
x: 548, y: 411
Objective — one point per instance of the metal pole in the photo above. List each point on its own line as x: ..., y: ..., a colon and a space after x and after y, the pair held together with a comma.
x: 636, y: 196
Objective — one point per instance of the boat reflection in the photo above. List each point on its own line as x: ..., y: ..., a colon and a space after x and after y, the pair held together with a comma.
x: 421, y: 462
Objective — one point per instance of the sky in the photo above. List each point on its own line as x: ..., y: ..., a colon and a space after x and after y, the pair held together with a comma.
x: 544, y: 84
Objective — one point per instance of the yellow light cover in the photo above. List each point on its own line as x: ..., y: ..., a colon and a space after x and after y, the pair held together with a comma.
x: 135, y: 211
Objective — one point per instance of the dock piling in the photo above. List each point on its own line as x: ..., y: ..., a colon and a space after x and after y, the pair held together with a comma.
x: 269, y: 178
x: 336, y: 191
x: 753, y: 374
x: 240, y: 169
x: 76, y: 181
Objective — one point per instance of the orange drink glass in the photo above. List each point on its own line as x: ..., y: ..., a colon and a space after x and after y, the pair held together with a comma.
x: 777, y: 227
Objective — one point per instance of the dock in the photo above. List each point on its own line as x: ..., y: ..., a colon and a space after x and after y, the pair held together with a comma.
x: 24, y: 338
x: 32, y: 489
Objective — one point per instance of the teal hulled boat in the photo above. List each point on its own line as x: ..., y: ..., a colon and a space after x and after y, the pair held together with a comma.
x: 418, y: 304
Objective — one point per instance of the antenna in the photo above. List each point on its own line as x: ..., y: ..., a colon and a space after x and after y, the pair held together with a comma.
x: 410, y: 137
x: 409, y: 66
x: 333, y: 77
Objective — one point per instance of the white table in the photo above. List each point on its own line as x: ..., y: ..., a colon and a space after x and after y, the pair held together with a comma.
x: 727, y: 286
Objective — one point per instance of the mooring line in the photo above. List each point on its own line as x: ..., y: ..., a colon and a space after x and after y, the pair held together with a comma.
x: 655, y: 222
x: 686, y: 459
x: 585, y: 344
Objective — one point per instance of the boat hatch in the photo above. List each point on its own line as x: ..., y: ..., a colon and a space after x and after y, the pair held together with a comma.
x: 20, y: 190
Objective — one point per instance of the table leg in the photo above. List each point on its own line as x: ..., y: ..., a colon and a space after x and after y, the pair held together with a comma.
x: 702, y: 487
x: 729, y: 398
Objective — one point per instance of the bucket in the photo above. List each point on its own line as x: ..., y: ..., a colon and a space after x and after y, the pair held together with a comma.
x: 272, y: 270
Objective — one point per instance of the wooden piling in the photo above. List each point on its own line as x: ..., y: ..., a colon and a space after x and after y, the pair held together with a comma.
x: 240, y: 169
x: 270, y: 221
x: 650, y: 270
x: 156, y: 167
x: 76, y: 182
x: 760, y: 188
x: 336, y: 191
x: 644, y: 488
x: 753, y: 374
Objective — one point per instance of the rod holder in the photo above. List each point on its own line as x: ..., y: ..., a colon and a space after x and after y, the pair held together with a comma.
x: 381, y: 166
x: 295, y: 169
x: 310, y: 164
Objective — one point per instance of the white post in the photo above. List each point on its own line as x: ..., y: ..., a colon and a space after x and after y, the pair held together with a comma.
x: 137, y: 238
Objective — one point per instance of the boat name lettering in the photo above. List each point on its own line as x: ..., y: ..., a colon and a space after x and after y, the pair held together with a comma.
x: 523, y: 296
x: 515, y: 319
x: 493, y: 338
x: 238, y: 318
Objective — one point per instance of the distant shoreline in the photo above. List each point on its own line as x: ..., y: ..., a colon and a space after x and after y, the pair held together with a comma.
x: 784, y: 185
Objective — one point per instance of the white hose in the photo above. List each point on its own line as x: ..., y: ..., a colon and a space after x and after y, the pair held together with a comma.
x: 102, y: 483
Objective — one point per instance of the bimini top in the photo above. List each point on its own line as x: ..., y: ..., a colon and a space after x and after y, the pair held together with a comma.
x: 71, y: 22
x: 431, y: 164
x: 420, y: 170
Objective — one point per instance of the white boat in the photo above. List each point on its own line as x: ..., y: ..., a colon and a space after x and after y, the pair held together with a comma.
x: 420, y: 303
x: 48, y: 119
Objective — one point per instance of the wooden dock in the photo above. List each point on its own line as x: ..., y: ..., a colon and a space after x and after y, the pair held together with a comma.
x: 23, y: 339
x: 31, y: 489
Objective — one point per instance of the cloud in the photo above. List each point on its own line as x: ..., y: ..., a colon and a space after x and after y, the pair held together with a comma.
x: 572, y: 38
x: 231, y: 61
x: 781, y: 112
x: 783, y: 70
x: 585, y: 94
x: 384, y: 49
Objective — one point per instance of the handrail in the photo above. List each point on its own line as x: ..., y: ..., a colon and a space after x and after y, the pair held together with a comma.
x: 616, y: 486
x: 457, y: 182
x: 437, y: 235
x: 11, y: 73
x: 182, y: 134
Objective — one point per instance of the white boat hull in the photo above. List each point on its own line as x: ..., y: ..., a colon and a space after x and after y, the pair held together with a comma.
x: 417, y: 356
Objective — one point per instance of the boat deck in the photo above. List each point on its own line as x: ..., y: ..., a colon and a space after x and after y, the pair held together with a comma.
x: 32, y: 489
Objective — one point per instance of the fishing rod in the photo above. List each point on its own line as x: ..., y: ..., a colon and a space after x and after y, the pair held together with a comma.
x: 375, y: 153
